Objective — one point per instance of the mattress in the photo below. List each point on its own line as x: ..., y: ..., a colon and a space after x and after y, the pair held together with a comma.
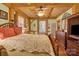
x: 26, y: 44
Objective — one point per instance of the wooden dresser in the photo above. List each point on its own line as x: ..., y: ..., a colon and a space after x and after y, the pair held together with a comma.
x: 59, y: 43
x: 72, y: 40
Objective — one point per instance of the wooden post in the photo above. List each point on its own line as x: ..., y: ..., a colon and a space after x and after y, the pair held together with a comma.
x: 25, y: 22
x: 16, y: 18
x: 9, y: 14
x: 38, y: 26
x: 46, y: 26
x: 29, y: 23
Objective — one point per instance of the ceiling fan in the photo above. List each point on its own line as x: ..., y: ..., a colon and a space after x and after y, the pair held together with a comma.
x: 41, y: 11
x: 41, y: 8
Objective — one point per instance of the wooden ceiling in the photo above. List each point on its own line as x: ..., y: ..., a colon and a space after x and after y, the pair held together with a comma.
x: 51, y: 10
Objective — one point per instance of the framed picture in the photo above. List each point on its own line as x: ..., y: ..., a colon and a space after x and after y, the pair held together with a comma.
x: 3, y: 15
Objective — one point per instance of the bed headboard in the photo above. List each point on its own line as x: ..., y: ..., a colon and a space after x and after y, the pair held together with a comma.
x: 7, y: 25
x: 9, y: 29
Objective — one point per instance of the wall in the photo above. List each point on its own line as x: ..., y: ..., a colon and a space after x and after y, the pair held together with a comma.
x: 21, y: 22
x: 34, y: 25
x: 51, y: 26
x: 69, y: 11
x: 63, y: 24
x: 4, y: 8
x: 27, y: 25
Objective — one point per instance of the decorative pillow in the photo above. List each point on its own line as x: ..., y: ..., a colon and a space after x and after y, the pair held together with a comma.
x: 1, y: 36
x: 1, y: 30
x: 8, y: 32
x: 18, y: 30
x: 1, y: 33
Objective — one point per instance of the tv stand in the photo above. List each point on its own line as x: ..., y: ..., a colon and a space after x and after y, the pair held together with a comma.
x: 73, y: 45
x: 74, y: 37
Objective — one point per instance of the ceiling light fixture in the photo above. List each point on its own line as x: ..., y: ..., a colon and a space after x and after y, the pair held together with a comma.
x: 40, y: 11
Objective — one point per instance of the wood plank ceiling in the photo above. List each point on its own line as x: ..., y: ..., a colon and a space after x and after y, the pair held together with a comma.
x: 51, y: 10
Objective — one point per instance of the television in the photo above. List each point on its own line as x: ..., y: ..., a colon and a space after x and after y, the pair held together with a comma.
x: 75, y: 29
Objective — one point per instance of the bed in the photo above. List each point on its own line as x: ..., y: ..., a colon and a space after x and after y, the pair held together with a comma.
x: 24, y: 44
x: 18, y: 44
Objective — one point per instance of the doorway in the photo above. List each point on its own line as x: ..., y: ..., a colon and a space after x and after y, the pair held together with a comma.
x: 42, y: 27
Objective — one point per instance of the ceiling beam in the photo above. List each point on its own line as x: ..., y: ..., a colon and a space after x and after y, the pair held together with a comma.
x: 19, y: 11
x: 62, y: 13
x: 34, y: 13
x: 43, y: 18
x: 50, y: 12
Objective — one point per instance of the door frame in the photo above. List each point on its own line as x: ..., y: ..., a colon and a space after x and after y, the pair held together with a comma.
x: 46, y: 21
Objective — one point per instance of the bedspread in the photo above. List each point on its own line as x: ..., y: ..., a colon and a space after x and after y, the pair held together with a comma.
x: 28, y: 42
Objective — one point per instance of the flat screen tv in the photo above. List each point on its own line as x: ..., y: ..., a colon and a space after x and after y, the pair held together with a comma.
x: 75, y: 29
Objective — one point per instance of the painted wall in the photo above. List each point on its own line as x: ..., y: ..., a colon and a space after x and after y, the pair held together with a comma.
x: 34, y: 26
x: 51, y: 26
x: 27, y: 25
x: 21, y: 23
x: 4, y: 8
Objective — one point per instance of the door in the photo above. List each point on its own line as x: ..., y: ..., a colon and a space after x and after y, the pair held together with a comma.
x: 42, y: 26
